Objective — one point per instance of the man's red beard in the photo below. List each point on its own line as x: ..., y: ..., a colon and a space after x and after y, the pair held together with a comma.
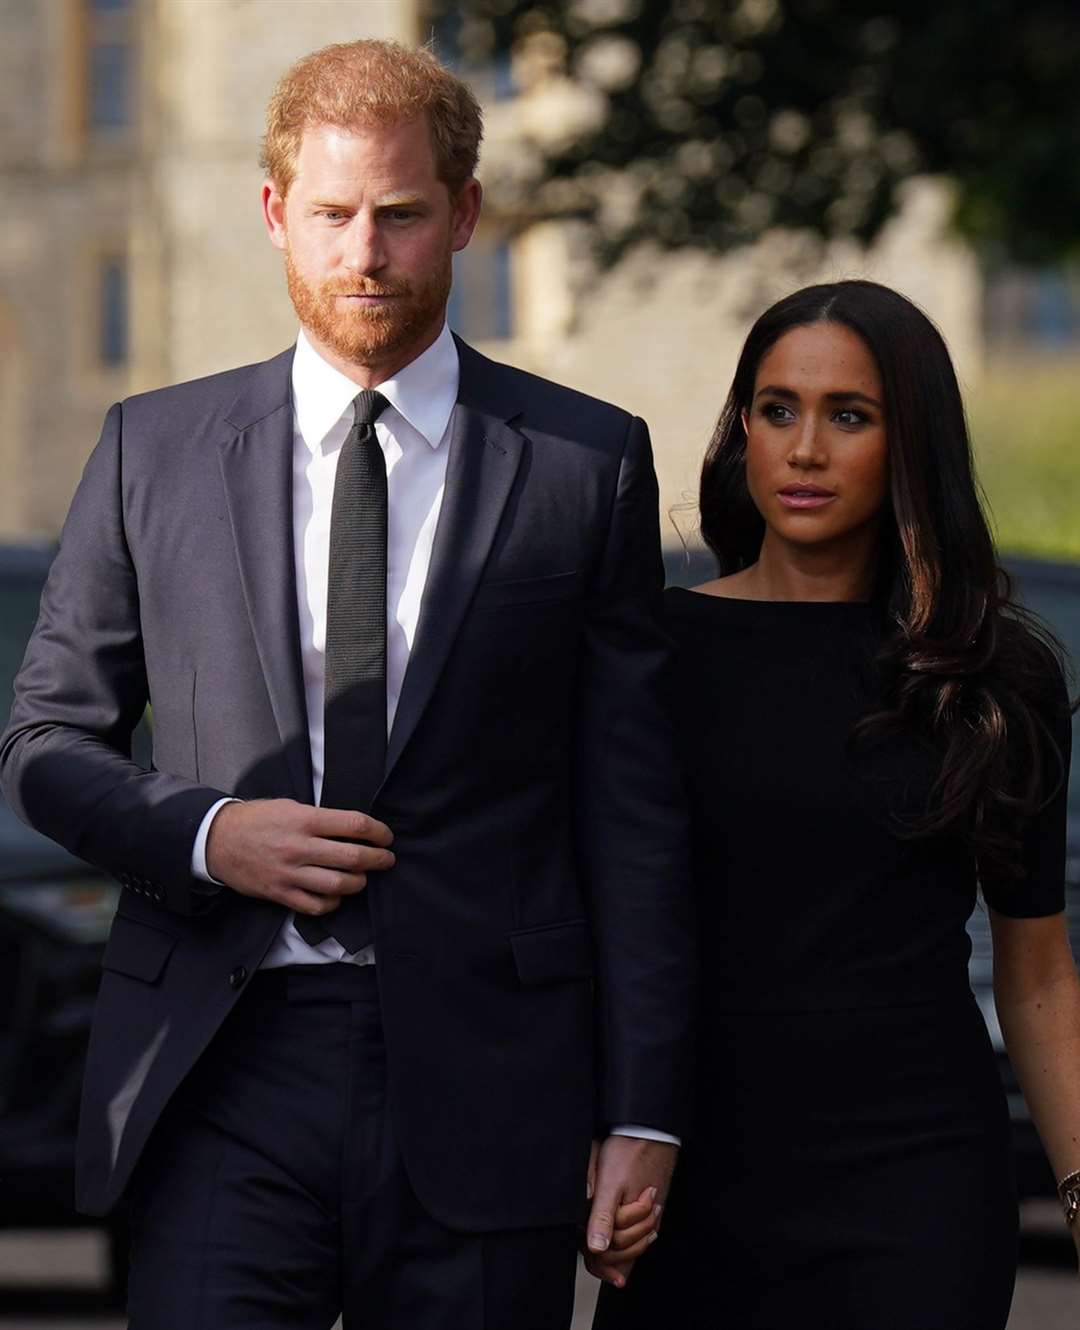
x: 365, y: 334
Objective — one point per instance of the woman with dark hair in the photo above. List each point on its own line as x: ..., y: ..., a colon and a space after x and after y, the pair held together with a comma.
x: 874, y: 734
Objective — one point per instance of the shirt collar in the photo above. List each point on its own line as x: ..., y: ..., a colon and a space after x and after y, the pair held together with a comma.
x: 424, y: 392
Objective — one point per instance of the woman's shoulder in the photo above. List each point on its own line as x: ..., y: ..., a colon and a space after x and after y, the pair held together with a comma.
x: 1035, y: 661
x: 697, y: 606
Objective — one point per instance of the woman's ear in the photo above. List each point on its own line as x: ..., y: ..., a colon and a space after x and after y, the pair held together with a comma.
x: 744, y: 416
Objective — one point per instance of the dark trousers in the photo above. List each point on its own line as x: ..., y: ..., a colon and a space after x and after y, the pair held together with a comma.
x: 272, y: 1193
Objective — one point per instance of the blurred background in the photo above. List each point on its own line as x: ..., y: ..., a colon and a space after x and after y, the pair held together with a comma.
x: 656, y: 174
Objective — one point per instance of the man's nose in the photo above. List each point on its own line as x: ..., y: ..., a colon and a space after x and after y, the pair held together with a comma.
x: 364, y: 251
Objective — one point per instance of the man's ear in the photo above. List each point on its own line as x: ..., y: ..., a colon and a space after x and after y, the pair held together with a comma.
x: 465, y: 212
x: 273, y: 209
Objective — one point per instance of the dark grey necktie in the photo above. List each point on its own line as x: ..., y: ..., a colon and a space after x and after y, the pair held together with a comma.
x: 354, y: 715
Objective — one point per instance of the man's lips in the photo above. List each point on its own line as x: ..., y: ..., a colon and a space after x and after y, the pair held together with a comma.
x: 805, y: 496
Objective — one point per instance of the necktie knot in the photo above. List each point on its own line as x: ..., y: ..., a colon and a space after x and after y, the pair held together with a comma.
x: 368, y: 406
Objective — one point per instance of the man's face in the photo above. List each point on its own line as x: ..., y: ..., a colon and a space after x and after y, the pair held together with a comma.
x: 368, y: 231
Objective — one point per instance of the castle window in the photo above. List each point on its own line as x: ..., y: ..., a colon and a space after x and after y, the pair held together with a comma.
x: 112, y: 339
x: 481, y: 304
x: 110, y: 66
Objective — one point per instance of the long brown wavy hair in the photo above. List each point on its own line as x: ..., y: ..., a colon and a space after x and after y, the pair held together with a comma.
x: 963, y: 664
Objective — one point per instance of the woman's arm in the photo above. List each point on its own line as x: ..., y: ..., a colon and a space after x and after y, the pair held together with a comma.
x: 1037, y: 994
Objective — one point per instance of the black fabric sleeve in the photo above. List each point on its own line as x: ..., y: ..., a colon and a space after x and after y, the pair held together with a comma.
x: 633, y: 835
x: 1041, y: 891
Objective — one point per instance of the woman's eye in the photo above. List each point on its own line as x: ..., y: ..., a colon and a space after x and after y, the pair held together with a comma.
x: 849, y: 417
x: 776, y: 412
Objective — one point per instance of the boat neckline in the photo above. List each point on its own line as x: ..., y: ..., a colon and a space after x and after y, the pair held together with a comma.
x: 776, y: 604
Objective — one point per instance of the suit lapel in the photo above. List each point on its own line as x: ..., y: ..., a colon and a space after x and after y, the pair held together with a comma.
x: 256, y: 467
x: 480, y: 471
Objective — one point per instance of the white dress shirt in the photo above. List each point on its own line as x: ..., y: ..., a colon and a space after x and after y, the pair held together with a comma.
x: 413, y: 434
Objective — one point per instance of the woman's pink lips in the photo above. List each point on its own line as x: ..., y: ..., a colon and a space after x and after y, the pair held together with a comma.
x: 811, y: 497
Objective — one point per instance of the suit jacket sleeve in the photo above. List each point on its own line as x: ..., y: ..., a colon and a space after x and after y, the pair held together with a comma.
x: 65, y: 759
x: 632, y: 830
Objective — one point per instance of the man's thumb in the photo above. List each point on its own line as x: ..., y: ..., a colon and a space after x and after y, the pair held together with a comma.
x: 602, y: 1219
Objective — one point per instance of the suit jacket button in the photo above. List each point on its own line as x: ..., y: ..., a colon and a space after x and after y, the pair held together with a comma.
x: 236, y: 979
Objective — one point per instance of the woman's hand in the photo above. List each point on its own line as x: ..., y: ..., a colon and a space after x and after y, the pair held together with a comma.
x: 636, y: 1229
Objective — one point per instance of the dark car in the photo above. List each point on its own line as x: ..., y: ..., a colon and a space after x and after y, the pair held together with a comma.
x: 1053, y: 592
x: 55, y: 913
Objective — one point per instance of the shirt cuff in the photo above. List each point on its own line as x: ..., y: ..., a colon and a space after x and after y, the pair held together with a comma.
x: 645, y: 1133
x: 198, y: 850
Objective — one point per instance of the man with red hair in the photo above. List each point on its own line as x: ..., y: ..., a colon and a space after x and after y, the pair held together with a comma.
x: 405, y: 923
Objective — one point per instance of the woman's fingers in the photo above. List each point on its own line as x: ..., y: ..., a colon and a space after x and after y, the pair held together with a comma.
x: 633, y: 1212
x: 606, y: 1271
x: 628, y: 1256
x: 625, y: 1238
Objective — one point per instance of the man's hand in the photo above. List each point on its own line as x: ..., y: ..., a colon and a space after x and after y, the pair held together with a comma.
x: 303, y: 857
x: 629, y: 1180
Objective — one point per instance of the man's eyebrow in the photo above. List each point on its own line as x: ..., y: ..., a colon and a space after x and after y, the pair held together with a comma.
x: 406, y: 201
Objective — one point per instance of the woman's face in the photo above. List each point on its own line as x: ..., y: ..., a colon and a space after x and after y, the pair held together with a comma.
x: 816, y: 462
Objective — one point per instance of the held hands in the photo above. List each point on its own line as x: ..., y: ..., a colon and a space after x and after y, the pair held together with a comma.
x: 303, y: 857
x: 629, y: 1180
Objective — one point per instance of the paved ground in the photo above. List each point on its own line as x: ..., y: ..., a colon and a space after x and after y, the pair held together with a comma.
x: 54, y: 1281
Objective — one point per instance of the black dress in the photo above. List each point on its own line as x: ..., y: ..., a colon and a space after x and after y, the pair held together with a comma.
x: 850, y: 1166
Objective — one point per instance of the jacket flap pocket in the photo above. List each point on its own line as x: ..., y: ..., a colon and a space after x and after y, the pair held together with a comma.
x: 553, y: 952
x: 527, y: 590
x: 136, y: 949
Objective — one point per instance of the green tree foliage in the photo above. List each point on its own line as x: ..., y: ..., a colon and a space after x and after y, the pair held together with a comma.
x: 720, y: 118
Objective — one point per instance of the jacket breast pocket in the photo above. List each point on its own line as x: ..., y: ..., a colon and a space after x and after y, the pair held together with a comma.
x: 553, y: 953
x: 527, y: 591
x: 138, y: 950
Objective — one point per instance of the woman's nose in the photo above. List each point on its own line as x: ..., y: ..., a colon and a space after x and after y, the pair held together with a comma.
x: 808, y: 446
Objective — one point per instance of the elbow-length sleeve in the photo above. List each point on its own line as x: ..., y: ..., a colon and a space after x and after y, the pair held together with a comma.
x: 1041, y: 891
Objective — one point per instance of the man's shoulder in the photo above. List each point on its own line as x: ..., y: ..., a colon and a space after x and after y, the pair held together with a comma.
x: 542, y: 404
x: 215, y: 397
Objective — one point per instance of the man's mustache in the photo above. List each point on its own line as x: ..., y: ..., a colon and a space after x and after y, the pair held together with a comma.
x: 366, y: 288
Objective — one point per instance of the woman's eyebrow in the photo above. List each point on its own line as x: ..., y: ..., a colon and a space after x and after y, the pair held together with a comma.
x: 840, y: 395
x: 853, y: 397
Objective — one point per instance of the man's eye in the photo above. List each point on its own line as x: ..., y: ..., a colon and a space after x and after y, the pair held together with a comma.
x: 400, y: 214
